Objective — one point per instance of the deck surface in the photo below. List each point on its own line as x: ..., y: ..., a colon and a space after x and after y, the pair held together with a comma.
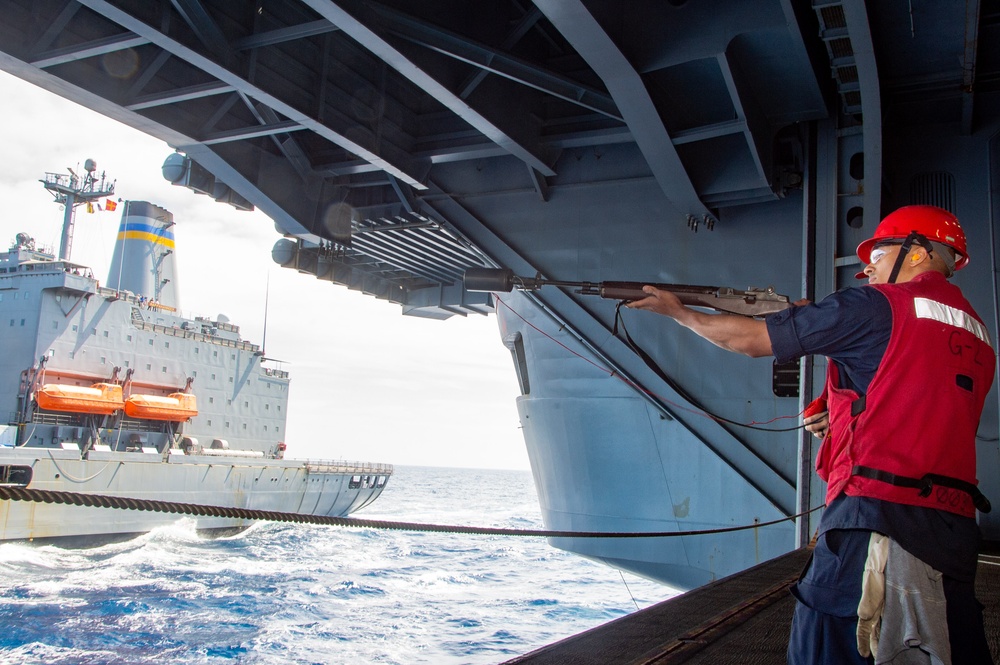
x: 740, y: 620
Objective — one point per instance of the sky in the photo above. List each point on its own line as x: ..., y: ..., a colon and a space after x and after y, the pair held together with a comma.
x: 368, y: 383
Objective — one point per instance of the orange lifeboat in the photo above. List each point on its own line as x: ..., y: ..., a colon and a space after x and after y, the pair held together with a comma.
x: 175, y: 406
x: 100, y: 398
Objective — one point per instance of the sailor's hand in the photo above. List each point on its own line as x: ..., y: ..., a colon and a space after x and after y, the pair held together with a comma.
x: 816, y: 417
x: 818, y: 424
x: 661, y: 302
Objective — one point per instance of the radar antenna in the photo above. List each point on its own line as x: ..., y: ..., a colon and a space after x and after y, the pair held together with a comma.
x: 73, y: 190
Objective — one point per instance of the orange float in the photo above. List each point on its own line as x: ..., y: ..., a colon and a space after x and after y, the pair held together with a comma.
x: 175, y: 406
x: 100, y: 398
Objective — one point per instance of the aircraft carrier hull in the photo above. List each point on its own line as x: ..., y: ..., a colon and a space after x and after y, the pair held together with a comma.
x: 605, y: 458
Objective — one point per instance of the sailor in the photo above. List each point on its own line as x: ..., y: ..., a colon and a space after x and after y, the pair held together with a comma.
x: 910, y: 364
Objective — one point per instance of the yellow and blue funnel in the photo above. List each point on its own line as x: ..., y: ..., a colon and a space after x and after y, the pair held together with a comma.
x: 144, y: 261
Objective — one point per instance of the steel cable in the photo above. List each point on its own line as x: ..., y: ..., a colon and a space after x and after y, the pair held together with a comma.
x: 128, y: 503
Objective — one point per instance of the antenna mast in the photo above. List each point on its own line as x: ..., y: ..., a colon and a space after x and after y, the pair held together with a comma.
x: 73, y: 190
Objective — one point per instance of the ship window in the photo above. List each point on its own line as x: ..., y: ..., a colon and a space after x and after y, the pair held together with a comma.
x: 229, y: 402
x: 279, y: 407
x: 17, y: 476
x: 72, y: 354
x: 15, y: 295
x: 164, y: 369
x: 126, y: 363
x: 230, y: 379
x: 209, y: 422
x: 166, y: 345
x: 148, y: 366
x: 12, y: 322
x: 244, y: 425
x: 267, y: 407
x: 128, y: 338
x: 194, y: 372
x: 276, y: 428
x: 104, y: 360
x: 22, y: 323
x: 211, y: 400
x: 105, y: 333
x: 213, y: 377
x: 75, y: 327
x: 197, y: 350
x: 227, y: 424
x: 246, y: 403
x: 151, y: 342
x: 215, y: 354
x: 265, y: 428
x: 232, y: 356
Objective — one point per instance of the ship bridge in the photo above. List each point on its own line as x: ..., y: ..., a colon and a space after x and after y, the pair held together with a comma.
x: 397, y: 143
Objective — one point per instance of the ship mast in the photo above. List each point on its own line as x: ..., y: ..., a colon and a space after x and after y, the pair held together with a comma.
x: 71, y: 191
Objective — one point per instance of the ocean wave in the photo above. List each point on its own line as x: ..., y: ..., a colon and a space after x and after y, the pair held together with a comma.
x: 284, y: 593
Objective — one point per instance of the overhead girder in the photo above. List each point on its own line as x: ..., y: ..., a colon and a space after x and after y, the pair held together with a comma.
x: 358, y: 22
x: 224, y: 74
x: 496, y: 61
x: 578, y: 25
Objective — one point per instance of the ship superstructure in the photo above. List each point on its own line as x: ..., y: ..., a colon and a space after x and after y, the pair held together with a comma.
x: 111, y: 389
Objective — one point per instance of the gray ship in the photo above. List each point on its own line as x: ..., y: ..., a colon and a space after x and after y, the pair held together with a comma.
x: 106, y: 388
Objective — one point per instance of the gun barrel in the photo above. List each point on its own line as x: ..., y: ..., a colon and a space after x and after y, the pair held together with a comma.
x: 489, y: 279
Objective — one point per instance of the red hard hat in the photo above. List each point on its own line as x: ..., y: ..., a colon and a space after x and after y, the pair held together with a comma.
x: 935, y: 224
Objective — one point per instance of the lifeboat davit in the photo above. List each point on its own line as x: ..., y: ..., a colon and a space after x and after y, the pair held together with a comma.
x: 177, y: 407
x: 99, y: 399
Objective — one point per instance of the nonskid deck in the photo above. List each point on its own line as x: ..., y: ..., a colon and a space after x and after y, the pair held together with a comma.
x: 743, y: 619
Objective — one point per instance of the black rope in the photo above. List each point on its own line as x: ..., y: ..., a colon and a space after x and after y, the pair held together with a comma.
x: 676, y: 387
x: 125, y: 503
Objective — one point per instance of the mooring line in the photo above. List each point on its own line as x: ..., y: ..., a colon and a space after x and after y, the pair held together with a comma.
x: 199, y: 510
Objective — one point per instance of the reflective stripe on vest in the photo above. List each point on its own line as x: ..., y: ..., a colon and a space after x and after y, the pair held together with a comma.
x: 926, y: 308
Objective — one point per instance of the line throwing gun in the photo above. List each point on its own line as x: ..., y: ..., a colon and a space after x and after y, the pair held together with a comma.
x: 751, y: 302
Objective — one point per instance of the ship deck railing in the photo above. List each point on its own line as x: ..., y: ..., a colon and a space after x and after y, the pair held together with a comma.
x: 341, y: 466
x: 177, y: 331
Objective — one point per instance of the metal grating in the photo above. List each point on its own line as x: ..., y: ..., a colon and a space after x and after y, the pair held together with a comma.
x: 840, y: 49
x: 936, y: 189
x: 415, y: 246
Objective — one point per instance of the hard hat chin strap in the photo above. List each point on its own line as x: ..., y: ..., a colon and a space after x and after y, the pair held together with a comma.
x: 920, y: 239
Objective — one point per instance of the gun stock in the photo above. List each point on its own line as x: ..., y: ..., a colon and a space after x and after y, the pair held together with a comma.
x: 749, y: 302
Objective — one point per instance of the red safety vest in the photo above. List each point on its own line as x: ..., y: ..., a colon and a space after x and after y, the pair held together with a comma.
x: 912, y: 438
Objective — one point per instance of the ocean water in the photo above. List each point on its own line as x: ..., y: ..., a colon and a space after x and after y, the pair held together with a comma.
x: 280, y: 593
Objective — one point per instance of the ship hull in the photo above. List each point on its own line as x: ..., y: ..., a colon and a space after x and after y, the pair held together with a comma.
x: 291, y: 486
x: 606, y: 458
